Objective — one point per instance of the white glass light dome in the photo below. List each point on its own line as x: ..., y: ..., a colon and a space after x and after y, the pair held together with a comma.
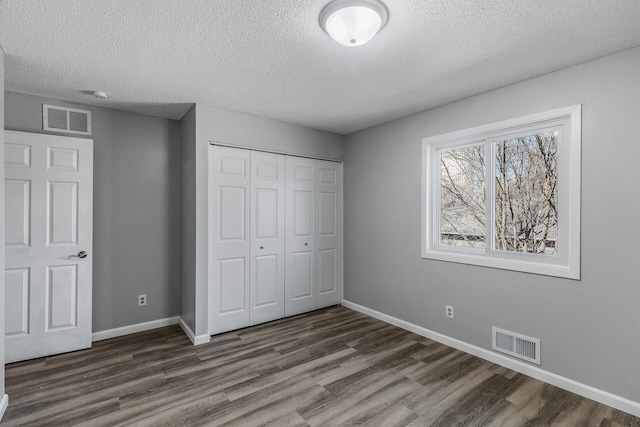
x: 353, y: 22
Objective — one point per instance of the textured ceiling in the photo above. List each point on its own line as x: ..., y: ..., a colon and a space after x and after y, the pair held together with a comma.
x: 271, y: 58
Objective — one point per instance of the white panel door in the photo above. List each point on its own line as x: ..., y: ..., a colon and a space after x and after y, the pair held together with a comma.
x: 229, y: 238
x: 267, y: 237
x: 328, y: 233
x: 300, y: 286
x: 49, y: 223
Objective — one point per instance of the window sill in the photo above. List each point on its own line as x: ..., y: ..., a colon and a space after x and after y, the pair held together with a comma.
x: 554, y: 269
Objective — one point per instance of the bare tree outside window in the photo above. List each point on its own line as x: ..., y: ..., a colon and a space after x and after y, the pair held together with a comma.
x: 526, y: 195
x: 526, y: 199
x: 462, y: 192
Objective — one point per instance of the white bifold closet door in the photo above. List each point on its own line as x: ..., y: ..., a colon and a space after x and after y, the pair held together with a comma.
x: 313, y: 247
x: 246, y: 238
x: 229, y: 240
x: 274, y: 236
x: 300, y: 291
x: 328, y: 236
x: 266, y: 289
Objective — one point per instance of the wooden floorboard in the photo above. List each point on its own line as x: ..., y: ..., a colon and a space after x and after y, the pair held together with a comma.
x: 332, y: 367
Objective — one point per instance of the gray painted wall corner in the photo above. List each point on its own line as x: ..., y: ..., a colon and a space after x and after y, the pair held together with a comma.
x: 201, y: 171
x: 188, y: 200
x: 2, y: 236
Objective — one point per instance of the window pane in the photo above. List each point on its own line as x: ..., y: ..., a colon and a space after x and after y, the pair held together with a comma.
x: 462, y: 192
x: 527, y: 194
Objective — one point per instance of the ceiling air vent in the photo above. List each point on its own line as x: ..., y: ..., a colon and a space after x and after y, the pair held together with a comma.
x: 516, y: 345
x: 66, y: 120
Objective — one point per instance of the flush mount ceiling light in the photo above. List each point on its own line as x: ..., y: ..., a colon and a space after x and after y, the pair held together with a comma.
x: 353, y: 22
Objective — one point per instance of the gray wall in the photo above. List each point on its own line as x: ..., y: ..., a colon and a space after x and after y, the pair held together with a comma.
x: 1, y: 224
x: 588, y: 328
x: 188, y: 310
x: 246, y: 130
x: 137, y: 216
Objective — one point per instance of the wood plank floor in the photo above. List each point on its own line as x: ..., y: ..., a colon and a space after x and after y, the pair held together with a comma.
x: 332, y: 367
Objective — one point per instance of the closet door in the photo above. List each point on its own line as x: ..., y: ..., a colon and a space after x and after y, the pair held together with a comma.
x: 267, y: 237
x: 229, y: 238
x: 300, y: 285
x: 328, y: 233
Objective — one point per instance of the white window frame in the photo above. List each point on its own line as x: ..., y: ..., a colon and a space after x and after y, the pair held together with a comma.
x: 567, y: 262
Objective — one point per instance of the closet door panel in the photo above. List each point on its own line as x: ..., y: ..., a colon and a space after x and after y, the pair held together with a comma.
x: 266, y: 206
x: 231, y: 279
x: 300, y: 289
x: 229, y: 240
x: 329, y: 233
x: 327, y: 271
x: 266, y: 283
x: 232, y: 213
x: 327, y: 214
x: 267, y: 237
x: 302, y: 213
x: 302, y: 277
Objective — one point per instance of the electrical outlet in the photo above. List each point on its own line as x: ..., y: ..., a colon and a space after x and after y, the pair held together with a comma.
x: 142, y: 300
x: 449, y: 311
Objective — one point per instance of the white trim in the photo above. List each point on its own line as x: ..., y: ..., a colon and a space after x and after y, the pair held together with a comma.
x: 567, y: 263
x: 284, y: 153
x: 341, y: 231
x: 195, y: 340
x: 132, y: 329
x: 601, y: 396
x: 3, y: 405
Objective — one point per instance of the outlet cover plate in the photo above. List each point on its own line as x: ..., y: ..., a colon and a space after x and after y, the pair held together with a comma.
x: 449, y: 311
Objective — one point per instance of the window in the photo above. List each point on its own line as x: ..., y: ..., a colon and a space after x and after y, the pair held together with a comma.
x: 506, y: 195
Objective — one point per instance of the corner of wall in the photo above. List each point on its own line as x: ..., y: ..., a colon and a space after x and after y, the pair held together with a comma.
x: 5, y: 399
x: 201, y: 171
x: 188, y: 158
x: 194, y: 224
x: 195, y: 339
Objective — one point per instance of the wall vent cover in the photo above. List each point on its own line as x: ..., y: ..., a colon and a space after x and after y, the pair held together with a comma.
x: 66, y: 120
x: 516, y: 345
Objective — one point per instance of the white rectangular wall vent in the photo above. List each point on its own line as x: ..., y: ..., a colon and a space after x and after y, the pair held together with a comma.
x: 516, y: 345
x: 66, y: 120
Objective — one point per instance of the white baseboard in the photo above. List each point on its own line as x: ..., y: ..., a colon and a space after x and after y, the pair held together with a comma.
x: 146, y: 326
x: 195, y: 339
x: 132, y: 329
x: 604, y: 397
x: 3, y: 405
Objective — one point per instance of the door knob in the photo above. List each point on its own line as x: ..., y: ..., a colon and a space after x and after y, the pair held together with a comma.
x: 81, y: 254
